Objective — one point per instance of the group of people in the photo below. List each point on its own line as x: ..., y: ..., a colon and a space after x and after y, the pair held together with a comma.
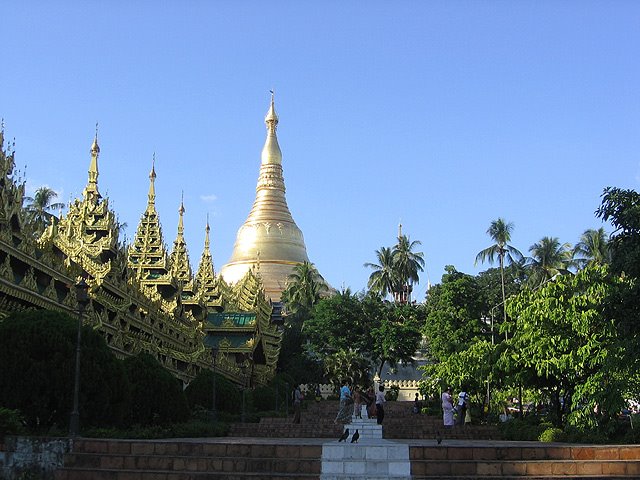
x: 351, y: 403
x: 460, y: 408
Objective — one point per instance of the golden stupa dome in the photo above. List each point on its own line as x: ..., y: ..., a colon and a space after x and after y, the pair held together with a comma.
x: 269, y: 240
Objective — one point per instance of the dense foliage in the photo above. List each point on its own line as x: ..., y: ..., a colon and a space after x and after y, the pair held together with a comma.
x: 569, y: 341
x: 156, y: 395
x: 37, y: 354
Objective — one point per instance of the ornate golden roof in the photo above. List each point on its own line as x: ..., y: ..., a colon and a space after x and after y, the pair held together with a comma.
x: 269, y: 238
x: 179, y: 258
x: 148, y: 256
x: 212, y: 288
x: 88, y: 234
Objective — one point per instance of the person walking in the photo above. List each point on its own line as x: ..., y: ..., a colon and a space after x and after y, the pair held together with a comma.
x: 380, y: 401
x: 463, y: 403
x: 297, y: 403
x: 346, y: 407
x: 357, y: 403
x: 447, y: 408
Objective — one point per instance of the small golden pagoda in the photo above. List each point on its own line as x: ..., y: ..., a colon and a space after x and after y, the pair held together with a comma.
x: 269, y: 239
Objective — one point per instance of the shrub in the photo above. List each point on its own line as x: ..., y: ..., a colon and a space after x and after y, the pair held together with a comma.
x: 199, y: 393
x: 553, y: 434
x: 10, y: 422
x: 392, y: 393
x: 37, y: 354
x: 527, y: 428
x: 156, y: 395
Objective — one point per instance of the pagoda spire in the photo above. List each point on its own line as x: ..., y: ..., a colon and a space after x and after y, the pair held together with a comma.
x: 151, y: 204
x: 91, y: 190
x: 208, y: 284
x: 269, y: 228
x: 271, y: 153
x: 180, y: 265
x: 147, y: 254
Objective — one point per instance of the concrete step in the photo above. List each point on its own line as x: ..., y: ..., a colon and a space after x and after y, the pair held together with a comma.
x: 79, y: 474
x: 185, y: 460
x: 369, y: 459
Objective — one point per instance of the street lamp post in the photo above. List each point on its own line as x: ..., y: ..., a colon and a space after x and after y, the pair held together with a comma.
x: 214, y: 354
x: 82, y: 296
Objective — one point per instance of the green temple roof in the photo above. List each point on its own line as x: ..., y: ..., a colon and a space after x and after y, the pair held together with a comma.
x: 220, y: 319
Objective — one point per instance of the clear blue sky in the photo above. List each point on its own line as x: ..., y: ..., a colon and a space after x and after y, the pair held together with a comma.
x: 443, y: 115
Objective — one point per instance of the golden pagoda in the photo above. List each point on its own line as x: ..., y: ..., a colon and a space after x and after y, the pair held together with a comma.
x: 269, y: 239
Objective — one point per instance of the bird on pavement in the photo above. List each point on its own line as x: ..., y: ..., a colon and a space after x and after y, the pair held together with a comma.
x: 355, y: 437
x: 343, y: 437
x: 438, y: 437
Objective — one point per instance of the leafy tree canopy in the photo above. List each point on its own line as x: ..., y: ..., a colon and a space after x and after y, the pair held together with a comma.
x: 564, y: 342
x: 622, y: 209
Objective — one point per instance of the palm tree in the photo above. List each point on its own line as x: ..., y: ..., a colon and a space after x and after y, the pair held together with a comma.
x: 383, y: 280
x: 593, y: 247
x: 407, y: 264
x: 500, y: 232
x: 37, y: 207
x: 548, y: 258
x: 305, y: 287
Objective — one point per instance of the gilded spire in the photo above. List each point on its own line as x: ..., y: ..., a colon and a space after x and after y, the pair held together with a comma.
x: 181, y: 213
x: 91, y: 190
x: 206, y: 273
x: 269, y: 228
x: 152, y: 187
x: 180, y: 265
x: 147, y: 253
x: 208, y: 285
x: 271, y: 153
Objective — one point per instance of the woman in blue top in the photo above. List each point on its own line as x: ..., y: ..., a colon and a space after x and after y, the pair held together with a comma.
x: 346, y: 405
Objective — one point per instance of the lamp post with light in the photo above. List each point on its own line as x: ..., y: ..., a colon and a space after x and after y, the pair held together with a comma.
x: 82, y: 296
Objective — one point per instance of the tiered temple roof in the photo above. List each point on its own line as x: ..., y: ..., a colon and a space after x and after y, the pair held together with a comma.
x: 142, y: 299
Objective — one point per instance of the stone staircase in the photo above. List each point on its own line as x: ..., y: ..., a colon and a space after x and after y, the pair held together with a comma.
x: 535, y: 461
x: 400, y: 423
x: 190, y: 460
x: 369, y: 458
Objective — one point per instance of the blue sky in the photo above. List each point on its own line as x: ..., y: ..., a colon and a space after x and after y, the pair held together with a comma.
x: 442, y: 115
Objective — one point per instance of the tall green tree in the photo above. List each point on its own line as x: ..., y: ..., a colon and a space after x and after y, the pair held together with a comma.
x: 407, y: 265
x: 304, y: 290
x: 593, y: 247
x: 454, y: 309
x: 548, y: 258
x: 305, y: 287
x: 500, y: 232
x: 622, y: 208
x: 38, y: 207
x: 397, y: 269
x: 364, y: 326
x: 383, y: 280
x: 566, y: 342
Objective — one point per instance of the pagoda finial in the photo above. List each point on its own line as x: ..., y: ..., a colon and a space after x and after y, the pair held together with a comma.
x: 152, y: 180
x: 400, y: 230
x: 181, y: 211
x: 207, y: 229
x: 91, y: 190
x: 271, y: 154
x: 271, y: 119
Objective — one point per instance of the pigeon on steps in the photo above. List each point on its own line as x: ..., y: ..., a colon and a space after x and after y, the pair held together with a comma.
x: 355, y: 437
x: 344, y: 436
